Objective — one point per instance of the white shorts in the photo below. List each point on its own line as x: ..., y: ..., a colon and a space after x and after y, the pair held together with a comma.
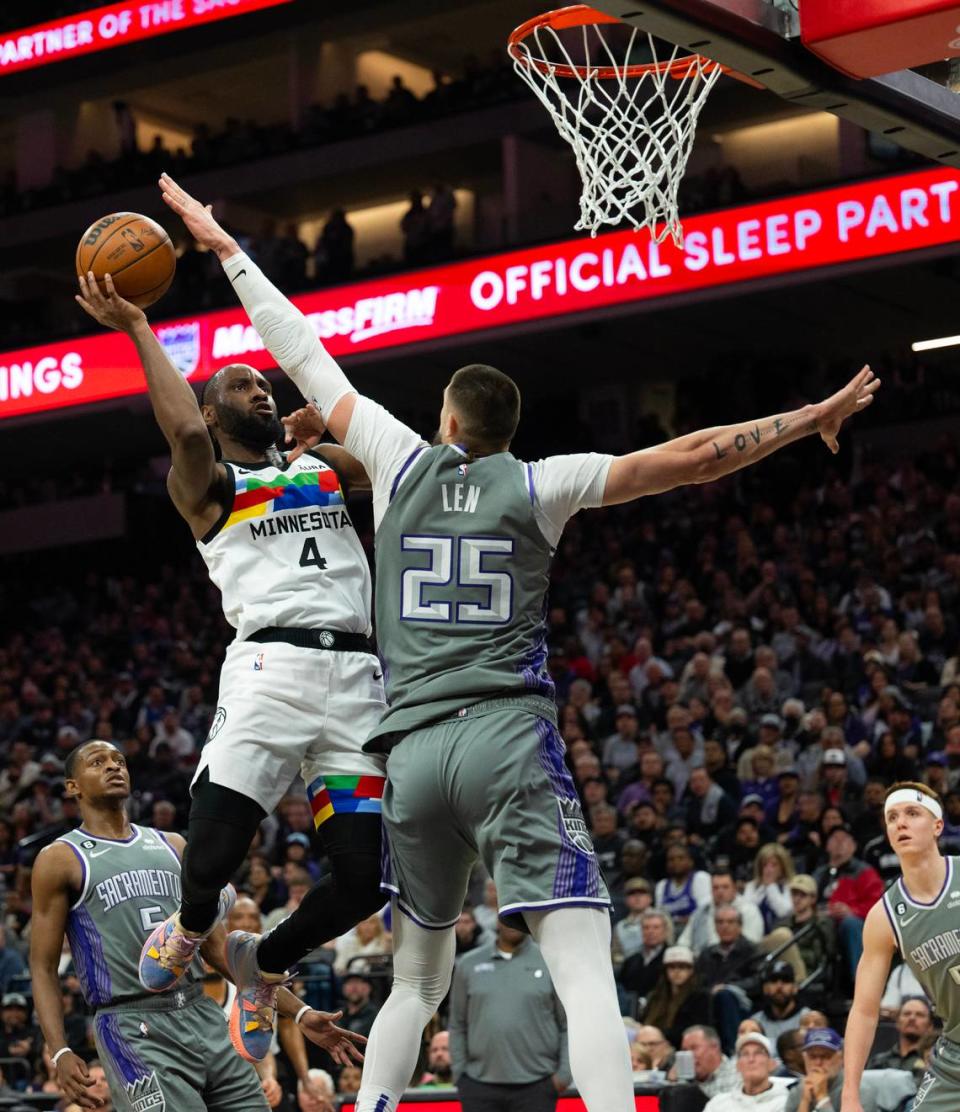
x: 285, y: 711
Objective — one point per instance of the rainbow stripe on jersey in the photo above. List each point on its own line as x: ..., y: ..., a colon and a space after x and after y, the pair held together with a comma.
x: 344, y: 795
x: 256, y: 497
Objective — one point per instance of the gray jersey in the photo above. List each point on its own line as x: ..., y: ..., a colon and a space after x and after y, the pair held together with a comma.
x: 463, y: 571
x: 129, y: 888
x: 929, y: 939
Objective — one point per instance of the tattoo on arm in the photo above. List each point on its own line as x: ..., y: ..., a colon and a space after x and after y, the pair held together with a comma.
x: 780, y: 427
x: 740, y: 442
x: 720, y: 451
x: 755, y: 435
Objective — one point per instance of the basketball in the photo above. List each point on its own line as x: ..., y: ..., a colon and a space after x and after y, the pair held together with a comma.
x: 134, y: 250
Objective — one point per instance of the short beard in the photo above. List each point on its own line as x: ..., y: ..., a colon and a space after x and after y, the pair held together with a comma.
x: 251, y: 431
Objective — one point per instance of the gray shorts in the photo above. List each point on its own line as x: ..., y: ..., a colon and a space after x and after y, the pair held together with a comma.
x: 939, y: 1091
x: 490, y: 783
x: 176, y: 1060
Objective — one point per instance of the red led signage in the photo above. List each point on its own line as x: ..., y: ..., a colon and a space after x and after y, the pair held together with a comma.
x: 851, y: 222
x: 113, y: 25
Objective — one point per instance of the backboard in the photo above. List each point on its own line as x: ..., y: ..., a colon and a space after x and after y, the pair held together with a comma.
x: 761, y: 39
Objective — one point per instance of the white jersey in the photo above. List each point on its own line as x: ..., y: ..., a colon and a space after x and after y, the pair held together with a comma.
x: 285, y: 552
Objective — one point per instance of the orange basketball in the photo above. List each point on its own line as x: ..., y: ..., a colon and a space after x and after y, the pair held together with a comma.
x: 134, y: 250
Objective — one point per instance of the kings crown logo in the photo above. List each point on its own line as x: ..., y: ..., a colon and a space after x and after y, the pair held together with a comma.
x: 573, y: 824
x: 181, y: 342
x: 146, y: 1095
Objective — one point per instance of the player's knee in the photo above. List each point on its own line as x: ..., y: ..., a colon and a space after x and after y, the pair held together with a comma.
x: 358, y: 878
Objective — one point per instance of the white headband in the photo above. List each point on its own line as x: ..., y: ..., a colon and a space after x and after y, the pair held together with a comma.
x: 911, y: 795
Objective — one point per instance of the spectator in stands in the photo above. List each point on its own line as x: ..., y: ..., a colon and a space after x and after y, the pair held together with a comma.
x: 628, y: 931
x: 769, y: 889
x: 641, y: 971
x: 727, y: 967
x: 169, y: 731
x: 308, y: 1102
x: 488, y: 913
x: 298, y: 883
x: 268, y: 891
x: 685, y: 888
x: 469, y: 934
x: 823, y: 1072
x: 359, y: 1011
x: 818, y: 944
x: 349, y: 1080
x: 333, y: 253
x: 677, y: 996
x: 19, y: 1037
x: 759, y: 1087
x: 700, y: 931
x: 11, y: 963
x: 708, y: 807
x: 714, y: 1072
x: 620, y: 748
x: 414, y: 225
x: 656, y: 1045
x: 914, y: 1026
x: 790, y: 1053
x: 781, y: 1010
x: 850, y: 888
x: 439, y: 1072
x: 440, y: 222
x: 368, y: 938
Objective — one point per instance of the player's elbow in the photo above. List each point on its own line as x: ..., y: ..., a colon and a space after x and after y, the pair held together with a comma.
x: 189, y: 434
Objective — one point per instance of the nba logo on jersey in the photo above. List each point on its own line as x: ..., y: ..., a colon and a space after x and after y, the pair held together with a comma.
x: 462, y: 470
x: 258, y: 662
x: 181, y: 342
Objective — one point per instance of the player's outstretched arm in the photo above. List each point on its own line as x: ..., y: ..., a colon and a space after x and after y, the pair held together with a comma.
x: 51, y: 882
x: 701, y: 457
x: 193, y: 477
x: 283, y: 328
x: 878, y: 949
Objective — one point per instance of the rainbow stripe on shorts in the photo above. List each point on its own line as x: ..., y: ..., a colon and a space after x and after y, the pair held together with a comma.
x: 344, y: 795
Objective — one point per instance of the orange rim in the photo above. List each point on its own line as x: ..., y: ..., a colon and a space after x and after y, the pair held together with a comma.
x: 582, y: 15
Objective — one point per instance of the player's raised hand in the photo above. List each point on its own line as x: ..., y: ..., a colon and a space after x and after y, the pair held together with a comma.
x: 109, y: 309
x: 305, y: 428
x: 833, y: 411
x: 321, y: 1029
x: 198, y: 218
x: 74, y: 1080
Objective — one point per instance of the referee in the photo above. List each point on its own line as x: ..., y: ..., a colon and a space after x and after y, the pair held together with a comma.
x: 508, y: 1031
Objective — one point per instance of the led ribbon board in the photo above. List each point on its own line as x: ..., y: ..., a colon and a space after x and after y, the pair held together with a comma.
x: 791, y: 235
x: 113, y: 25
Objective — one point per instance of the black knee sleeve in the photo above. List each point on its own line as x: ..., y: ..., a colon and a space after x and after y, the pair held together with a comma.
x: 221, y: 828
x: 350, y: 892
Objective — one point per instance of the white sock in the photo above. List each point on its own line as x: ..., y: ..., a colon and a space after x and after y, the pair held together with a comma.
x: 422, y: 965
x: 575, y: 942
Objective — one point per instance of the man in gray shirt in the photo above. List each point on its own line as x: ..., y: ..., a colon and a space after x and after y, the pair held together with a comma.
x: 508, y: 1031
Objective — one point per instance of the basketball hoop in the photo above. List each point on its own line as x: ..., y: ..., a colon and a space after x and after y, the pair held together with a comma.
x: 631, y: 124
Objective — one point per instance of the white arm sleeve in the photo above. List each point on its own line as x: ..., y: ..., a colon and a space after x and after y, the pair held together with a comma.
x: 562, y: 485
x: 385, y: 447
x: 287, y: 335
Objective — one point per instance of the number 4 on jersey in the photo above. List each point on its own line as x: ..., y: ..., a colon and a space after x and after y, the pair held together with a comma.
x: 310, y: 556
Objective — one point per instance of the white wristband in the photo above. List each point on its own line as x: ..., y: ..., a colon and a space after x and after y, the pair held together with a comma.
x: 60, y: 1053
x: 299, y: 1015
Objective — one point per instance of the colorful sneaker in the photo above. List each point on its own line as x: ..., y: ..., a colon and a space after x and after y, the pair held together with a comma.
x: 255, y: 1005
x: 167, y: 953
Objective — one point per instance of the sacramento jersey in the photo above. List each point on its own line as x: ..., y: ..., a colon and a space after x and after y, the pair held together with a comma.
x: 285, y: 552
x: 929, y: 939
x: 463, y: 570
x: 128, y: 888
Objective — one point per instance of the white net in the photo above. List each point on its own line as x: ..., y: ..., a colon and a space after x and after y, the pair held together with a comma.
x: 631, y: 132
